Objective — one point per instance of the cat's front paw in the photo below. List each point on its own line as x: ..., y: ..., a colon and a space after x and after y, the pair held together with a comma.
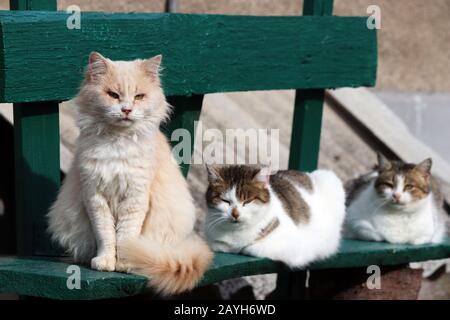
x: 219, y: 246
x: 104, y: 263
x: 122, y: 266
x: 365, y: 231
x: 421, y: 240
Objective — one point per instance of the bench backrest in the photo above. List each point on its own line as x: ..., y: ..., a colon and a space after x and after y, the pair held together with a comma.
x: 41, y: 64
x: 43, y: 60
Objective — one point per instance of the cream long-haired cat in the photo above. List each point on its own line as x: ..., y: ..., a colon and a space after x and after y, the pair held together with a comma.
x: 124, y: 205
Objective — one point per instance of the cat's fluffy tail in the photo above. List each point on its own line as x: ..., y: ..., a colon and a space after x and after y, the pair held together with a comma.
x: 171, y: 268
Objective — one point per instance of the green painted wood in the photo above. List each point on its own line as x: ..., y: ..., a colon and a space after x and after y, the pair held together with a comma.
x: 354, y: 253
x: 202, y: 53
x: 37, y: 176
x: 306, y: 128
x: 308, y: 109
x: 33, y: 5
x: 317, y: 7
x: 36, y: 153
x: 186, y: 110
x: 48, y: 278
x: 305, y: 141
x: 228, y: 266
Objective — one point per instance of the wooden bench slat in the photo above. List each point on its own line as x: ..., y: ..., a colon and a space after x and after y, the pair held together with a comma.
x: 36, y: 157
x: 37, y: 174
x: 41, y: 59
x: 186, y: 110
x: 306, y: 128
x: 47, y: 278
x: 305, y: 137
x: 355, y: 253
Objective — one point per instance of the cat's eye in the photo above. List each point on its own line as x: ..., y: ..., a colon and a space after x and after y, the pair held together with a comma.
x: 408, y: 187
x: 139, y: 96
x: 113, y: 94
x: 388, y: 184
x: 247, y: 202
x: 226, y: 201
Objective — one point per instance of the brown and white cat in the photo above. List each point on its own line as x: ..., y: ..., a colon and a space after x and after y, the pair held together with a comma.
x: 289, y: 216
x: 398, y: 202
x: 124, y: 205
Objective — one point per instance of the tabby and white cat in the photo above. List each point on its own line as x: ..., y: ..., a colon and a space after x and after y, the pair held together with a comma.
x: 398, y: 202
x: 289, y: 216
x: 124, y: 205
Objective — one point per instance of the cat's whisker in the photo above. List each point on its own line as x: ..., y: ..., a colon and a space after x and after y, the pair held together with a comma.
x: 215, y: 222
x: 378, y: 207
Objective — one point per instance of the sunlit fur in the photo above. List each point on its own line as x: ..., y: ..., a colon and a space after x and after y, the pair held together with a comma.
x: 295, y: 244
x: 398, y: 204
x: 124, y: 205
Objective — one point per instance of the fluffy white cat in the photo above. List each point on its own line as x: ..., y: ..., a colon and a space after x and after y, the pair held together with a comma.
x: 289, y: 216
x: 397, y: 203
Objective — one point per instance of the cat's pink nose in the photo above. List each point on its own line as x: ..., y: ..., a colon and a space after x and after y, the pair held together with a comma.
x: 235, y: 213
x: 396, y: 196
x: 126, y: 110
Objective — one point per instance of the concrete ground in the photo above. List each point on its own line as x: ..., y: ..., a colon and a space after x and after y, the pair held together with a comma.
x: 425, y: 114
x: 435, y: 289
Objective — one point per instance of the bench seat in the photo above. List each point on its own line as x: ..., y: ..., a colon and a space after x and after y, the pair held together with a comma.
x: 47, y: 278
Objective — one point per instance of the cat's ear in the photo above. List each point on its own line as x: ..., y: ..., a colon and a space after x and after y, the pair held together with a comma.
x: 425, y: 167
x: 152, y: 66
x: 383, y: 163
x: 213, y: 173
x: 263, y: 176
x: 98, y: 66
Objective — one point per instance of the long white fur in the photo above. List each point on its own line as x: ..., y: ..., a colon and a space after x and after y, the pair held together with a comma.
x: 372, y: 218
x: 124, y: 204
x: 295, y: 245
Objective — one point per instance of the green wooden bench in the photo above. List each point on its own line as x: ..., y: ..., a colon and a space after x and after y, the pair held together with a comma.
x: 41, y: 65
